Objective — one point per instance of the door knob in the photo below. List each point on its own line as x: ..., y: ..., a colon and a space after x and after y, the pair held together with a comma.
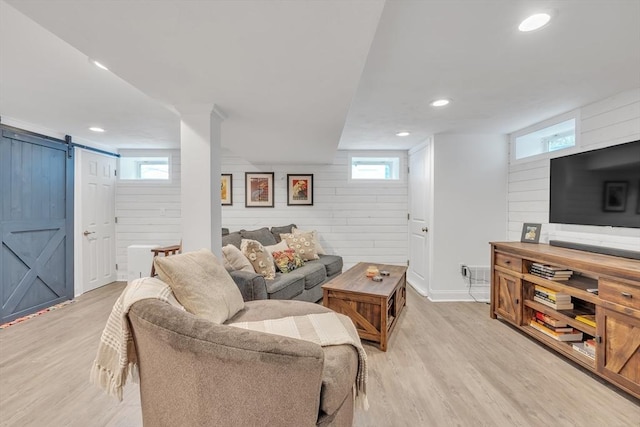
x: 425, y: 229
x: 86, y: 233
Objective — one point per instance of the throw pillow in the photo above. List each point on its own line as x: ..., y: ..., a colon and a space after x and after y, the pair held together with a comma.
x: 287, y: 260
x: 277, y: 231
x: 201, y: 284
x: 319, y: 247
x: 259, y: 257
x: 262, y: 235
x: 303, y: 244
x: 282, y: 246
x: 235, y: 260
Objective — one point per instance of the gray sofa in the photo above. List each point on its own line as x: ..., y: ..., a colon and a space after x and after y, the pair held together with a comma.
x: 302, y: 284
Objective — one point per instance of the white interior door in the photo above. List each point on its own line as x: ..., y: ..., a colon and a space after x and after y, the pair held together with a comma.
x: 419, y: 198
x: 98, y: 220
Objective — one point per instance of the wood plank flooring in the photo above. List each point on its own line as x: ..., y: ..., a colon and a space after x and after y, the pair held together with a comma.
x: 448, y: 364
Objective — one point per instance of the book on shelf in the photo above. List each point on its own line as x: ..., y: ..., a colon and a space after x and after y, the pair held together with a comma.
x: 551, y: 294
x: 575, y: 335
x: 589, y: 319
x: 553, y: 298
x: 590, y: 344
x: 550, y: 272
x: 581, y: 348
x: 553, y: 304
x: 550, y: 320
x: 577, y: 311
x: 555, y: 328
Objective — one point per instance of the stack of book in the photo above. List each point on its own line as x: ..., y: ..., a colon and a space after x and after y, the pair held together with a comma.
x: 587, y: 347
x: 552, y: 323
x: 550, y: 272
x: 568, y: 334
x: 589, y: 319
x: 554, y: 299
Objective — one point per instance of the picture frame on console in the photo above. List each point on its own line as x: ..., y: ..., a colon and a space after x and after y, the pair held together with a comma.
x: 299, y: 190
x: 226, y: 189
x: 530, y: 232
x: 259, y: 189
x: 615, y: 196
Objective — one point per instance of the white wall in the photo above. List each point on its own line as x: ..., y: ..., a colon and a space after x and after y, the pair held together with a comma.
x: 611, y: 121
x: 357, y: 221
x: 469, y: 211
x: 148, y: 213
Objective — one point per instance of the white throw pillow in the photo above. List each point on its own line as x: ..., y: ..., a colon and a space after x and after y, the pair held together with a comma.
x: 235, y: 260
x: 282, y: 246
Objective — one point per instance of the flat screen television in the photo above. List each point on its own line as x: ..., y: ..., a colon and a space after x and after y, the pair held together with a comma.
x: 598, y: 187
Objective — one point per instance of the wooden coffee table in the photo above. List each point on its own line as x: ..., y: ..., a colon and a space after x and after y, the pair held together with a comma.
x: 373, y: 307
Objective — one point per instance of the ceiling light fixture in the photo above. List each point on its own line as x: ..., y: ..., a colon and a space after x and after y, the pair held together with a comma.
x: 99, y: 65
x: 403, y: 133
x: 440, y: 102
x: 96, y: 129
x: 534, y: 22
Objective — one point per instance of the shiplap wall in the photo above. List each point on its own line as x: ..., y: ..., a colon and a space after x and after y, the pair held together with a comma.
x: 614, y: 120
x: 360, y: 222
x: 149, y: 213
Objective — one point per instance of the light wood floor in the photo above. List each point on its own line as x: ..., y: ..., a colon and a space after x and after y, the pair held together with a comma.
x: 448, y: 364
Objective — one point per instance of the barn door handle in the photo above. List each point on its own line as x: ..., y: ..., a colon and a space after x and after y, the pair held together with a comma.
x: 86, y: 233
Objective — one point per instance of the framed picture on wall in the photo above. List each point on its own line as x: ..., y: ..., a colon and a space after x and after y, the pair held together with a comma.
x: 530, y: 232
x: 259, y: 189
x: 615, y: 196
x: 300, y: 190
x: 226, y: 189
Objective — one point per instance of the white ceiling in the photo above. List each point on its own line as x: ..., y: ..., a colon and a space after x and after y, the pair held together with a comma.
x: 298, y: 79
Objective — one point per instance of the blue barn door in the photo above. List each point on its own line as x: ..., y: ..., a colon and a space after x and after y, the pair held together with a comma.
x: 36, y: 223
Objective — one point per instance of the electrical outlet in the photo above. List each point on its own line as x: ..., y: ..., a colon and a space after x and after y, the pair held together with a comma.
x: 464, y: 271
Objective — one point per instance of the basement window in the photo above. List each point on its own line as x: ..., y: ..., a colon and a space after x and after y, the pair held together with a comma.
x: 547, y: 137
x: 371, y: 166
x: 145, y: 168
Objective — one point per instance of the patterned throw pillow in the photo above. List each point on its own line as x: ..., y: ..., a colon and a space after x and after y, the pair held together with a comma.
x: 303, y: 243
x: 287, y: 260
x: 259, y: 257
x: 314, y: 233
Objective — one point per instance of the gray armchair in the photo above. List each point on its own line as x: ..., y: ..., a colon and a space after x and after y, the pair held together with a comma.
x: 196, y: 373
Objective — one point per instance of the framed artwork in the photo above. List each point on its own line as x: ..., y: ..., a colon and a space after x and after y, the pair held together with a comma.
x: 226, y: 189
x: 259, y: 189
x: 615, y: 196
x: 530, y: 232
x: 300, y: 190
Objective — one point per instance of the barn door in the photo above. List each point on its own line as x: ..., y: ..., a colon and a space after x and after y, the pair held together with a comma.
x: 36, y: 223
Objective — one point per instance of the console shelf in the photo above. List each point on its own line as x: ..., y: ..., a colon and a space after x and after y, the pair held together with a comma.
x: 616, y: 304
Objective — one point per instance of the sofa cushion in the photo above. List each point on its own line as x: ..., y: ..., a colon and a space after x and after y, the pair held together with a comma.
x: 234, y: 259
x: 262, y: 235
x: 319, y: 249
x: 277, y: 231
x: 232, y: 239
x: 340, y: 361
x: 332, y: 263
x: 288, y: 260
x: 259, y: 257
x: 281, y: 246
x: 285, y: 286
x: 303, y: 244
x: 201, y: 284
x: 314, y: 273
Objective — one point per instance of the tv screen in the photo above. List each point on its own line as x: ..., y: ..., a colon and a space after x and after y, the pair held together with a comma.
x: 598, y: 187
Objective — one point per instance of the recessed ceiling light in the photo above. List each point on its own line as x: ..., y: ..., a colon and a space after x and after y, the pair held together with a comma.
x: 403, y: 133
x: 440, y: 103
x: 99, y: 65
x: 534, y: 22
x: 96, y: 129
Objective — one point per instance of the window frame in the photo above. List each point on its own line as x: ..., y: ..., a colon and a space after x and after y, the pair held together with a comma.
x: 574, y: 114
x: 402, y: 166
x: 160, y: 154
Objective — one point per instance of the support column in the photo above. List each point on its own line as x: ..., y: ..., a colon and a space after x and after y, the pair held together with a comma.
x: 200, y: 148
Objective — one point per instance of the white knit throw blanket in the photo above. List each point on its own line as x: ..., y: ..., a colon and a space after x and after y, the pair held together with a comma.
x: 116, y: 360
x: 324, y: 329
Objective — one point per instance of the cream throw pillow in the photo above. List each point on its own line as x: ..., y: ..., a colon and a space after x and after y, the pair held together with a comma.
x: 282, y: 246
x: 201, y: 284
x: 259, y: 257
x: 235, y: 260
x: 304, y: 245
x: 319, y: 249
